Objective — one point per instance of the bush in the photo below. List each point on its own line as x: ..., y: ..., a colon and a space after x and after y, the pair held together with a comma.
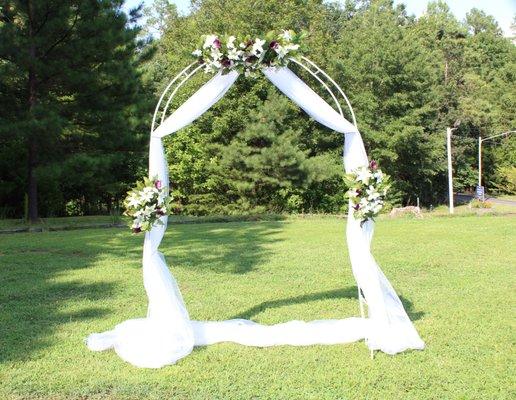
x: 507, y: 180
x: 476, y: 203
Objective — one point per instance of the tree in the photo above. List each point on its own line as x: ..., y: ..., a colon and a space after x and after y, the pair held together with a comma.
x: 69, y: 67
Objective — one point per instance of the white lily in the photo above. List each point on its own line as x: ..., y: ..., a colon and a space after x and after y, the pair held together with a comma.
x: 286, y: 35
x: 146, y: 195
x: 377, y: 208
x: 281, y: 51
x: 209, y: 41
x: 133, y: 201
x: 216, y: 54
x: 161, y: 197
x: 372, y: 193
x: 257, y: 47
x: 363, y: 175
x: 352, y: 193
x: 148, y: 210
x: 231, y: 42
x: 234, y: 54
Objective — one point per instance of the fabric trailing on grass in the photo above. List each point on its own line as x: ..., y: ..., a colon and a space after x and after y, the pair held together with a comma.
x: 167, y: 334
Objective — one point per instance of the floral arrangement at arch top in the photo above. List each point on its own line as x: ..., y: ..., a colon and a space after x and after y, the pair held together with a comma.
x: 368, y: 187
x: 246, y: 55
x: 146, y: 203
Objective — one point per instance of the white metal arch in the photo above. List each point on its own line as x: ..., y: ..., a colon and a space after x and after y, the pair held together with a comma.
x: 322, y: 77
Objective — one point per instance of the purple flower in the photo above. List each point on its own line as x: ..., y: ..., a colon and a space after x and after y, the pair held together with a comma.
x: 356, y: 207
x: 137, y: 230
x: 273, y: 44
x: 157, y: 184
x: 226, y: 62
x: 217, y: 44
x: 373, y: 165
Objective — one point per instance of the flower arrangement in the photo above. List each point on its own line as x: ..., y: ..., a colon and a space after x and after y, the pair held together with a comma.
x: 246, y: 55
x: 368, y: 187
x: 146, y: 203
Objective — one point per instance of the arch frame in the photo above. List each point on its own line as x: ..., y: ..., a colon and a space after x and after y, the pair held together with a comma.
x: 325, y: 80
x: 305, y: 63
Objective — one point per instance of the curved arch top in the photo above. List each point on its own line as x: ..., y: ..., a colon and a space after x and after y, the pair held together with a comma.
x: 306, y: 64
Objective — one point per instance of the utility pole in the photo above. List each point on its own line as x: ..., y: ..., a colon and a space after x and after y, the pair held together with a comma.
x: 450, y: 171
x: 479, y: 161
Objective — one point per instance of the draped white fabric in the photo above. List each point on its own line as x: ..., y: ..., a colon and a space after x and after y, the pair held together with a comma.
x: 168, y: 334
x: 211, y: 92
x: 390, y: 328
x: 301, y: 94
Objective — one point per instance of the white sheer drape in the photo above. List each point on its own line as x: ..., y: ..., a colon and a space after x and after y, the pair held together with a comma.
x: 167, y: 334
x: 211, y: 92
x: 391, y: 329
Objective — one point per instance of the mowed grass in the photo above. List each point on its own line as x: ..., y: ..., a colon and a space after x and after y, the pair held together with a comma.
x: 455, y: 276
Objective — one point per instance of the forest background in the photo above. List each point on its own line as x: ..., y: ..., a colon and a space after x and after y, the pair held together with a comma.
x: 79, y: 81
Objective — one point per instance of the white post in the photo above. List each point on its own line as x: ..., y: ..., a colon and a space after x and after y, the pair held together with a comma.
x: 450, y: 171
x: 479, y: 161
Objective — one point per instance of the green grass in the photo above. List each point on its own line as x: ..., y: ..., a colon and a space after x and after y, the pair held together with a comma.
x: 455, y: 275
x: 507, y: 197
x: 60, y: 222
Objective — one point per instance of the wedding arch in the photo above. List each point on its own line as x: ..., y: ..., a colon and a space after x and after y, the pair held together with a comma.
x: 167, y: 334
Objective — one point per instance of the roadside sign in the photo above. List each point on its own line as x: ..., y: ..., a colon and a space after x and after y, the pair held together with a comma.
x: 479, y: 192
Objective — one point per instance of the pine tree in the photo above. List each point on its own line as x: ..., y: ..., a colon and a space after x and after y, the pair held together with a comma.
x: 67, y: 74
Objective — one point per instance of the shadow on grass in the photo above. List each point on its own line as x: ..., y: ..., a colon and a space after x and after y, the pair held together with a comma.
x: 349, y: 292
x: 36, y: 298
x: 409, y: 308
x: 234, y: 248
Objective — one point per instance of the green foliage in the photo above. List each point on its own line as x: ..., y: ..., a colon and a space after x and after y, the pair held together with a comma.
x: 407, y: 79
x: 68, y: 105
x: 507, y: 178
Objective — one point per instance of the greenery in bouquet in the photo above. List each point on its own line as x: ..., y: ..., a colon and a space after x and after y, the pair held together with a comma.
x: 146, y: 203
x: 367, y: 190
x: 247, y: 54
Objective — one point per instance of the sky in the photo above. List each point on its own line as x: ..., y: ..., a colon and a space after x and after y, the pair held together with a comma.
x: 502, y: 10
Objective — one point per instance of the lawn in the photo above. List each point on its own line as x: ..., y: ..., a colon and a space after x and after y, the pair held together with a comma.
x: 455, y: 276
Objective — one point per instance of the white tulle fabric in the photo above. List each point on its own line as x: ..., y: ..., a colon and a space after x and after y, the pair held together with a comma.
x: 167, y: 334
x: 301, y: 94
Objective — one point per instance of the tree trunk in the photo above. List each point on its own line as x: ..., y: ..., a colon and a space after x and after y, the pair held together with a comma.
x: 32, y: 140
x: 33, y: 184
